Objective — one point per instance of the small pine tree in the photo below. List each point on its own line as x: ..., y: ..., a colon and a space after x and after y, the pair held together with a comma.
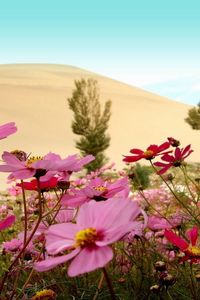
x: 193, y: 118
x: 89, y: 122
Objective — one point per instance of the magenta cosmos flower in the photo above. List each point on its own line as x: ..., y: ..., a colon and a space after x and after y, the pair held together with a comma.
x: 99, y: 224
x: 149, y: 153
x: 191, y: 251
x: 7, y: 129
x: 7, y: 222
x: 173, y: 160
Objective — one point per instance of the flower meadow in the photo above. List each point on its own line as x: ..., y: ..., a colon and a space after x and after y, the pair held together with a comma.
x: 68, y: 234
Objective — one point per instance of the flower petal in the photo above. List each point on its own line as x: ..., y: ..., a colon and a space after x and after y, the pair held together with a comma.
x: 115, y: 234
x: 107, y: 214
x: 90, y: 259
x: 132, y: 158
x: 7, y: 129
x: 176, y: 240
x: 7, y: 222
x: 192, y: 234
x: 51, y: 263
x: 137, y: 151
x: 60, y: 237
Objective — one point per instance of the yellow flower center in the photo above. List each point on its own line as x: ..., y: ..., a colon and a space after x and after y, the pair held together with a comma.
x: 86, y: 237
x: 193, y: 251
x: 148, y: 154
x: 44, y: 295
x: 33, y: 159
x: 100, y: 188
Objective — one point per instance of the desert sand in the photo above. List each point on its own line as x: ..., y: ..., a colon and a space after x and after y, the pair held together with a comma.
x: 35, y: 97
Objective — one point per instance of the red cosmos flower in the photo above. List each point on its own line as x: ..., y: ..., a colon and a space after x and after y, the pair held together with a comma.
x: 190, y: 250
x: 149, y: 153
x: 44, y: 185
x: 173, y: 160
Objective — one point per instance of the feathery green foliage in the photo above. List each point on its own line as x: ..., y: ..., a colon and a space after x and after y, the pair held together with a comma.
x: 139, y: 176
x: 193, y: 118
x: 89, y: 122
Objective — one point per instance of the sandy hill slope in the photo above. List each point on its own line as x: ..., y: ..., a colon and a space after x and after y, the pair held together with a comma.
x: 35, y: 97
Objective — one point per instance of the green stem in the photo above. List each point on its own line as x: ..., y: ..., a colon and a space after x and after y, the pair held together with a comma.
x: 187, y: 184
x: 25, y: 212
x: 27, y: 241
x: 99, y: 287
x: 109, y: 284
x: 174, y: 194
x: 157, y: 211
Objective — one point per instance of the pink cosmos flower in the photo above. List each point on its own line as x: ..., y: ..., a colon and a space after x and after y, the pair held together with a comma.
x: 44, y: 167
x: 24, y: 168
x: 99, y: 224
x: 65, y: 215
x: 149, y: 153
x: 12, y: 246
x: 17, y: 244
x: 173, y: 160
x: 158, y: 223
x: 64, y: 167
x: 98, y: 189
x: 7, y: 129
x: 7, y: 222
x: 14, y: 190
x: 191, y: 251
x: 3, y: 209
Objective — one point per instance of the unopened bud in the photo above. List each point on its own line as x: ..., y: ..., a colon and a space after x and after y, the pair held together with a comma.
x: 10, y: 207
x: 64, y: 185
x: 155, y: 288
x: 197, y: 276
x: 170, y: 177
x: 167, y: 279
x: 173, y: 142
x: 160, y: 266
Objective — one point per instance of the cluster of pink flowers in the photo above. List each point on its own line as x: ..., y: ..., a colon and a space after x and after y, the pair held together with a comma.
x: 92, y: 214
x: 81, y: 220
x: 98, y: 225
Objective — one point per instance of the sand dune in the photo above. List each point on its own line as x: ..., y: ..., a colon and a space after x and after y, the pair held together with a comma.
x: 34, y: 96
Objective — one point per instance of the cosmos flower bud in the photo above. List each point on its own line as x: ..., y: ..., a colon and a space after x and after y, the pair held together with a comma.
x: 63, y: 185
x: 197, y: 276
x: 160, y: 266
x: 155, y: 288
x: 167, y: 279
x: 170, y: 177
x: 197, y: 179
x: 173, y: 142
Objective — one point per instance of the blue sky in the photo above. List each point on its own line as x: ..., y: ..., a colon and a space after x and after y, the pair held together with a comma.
x: 148, y: 43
